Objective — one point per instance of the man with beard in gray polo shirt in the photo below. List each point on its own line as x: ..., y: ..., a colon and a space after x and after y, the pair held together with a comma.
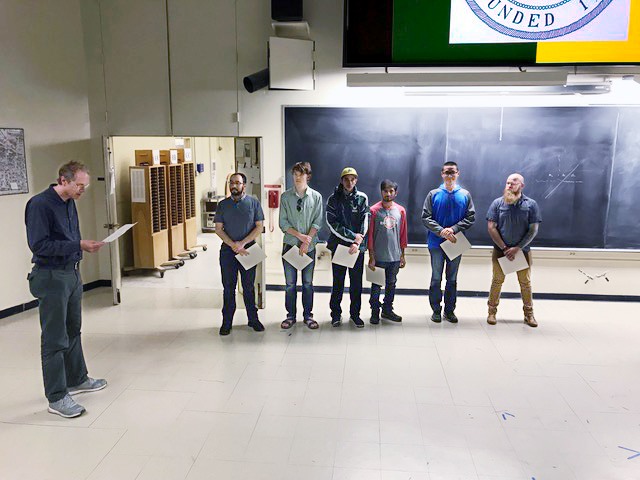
x: 238, y: 220
x: 513, y: 221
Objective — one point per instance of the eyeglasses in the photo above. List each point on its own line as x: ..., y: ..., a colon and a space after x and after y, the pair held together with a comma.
x: 235, y: 183
x: 299, y: 205
x: 450, y: 173
x: 80, y: 186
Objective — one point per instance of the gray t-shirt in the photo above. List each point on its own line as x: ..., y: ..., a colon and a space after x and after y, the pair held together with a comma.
x: 513, y: 220
x: 240, y: 217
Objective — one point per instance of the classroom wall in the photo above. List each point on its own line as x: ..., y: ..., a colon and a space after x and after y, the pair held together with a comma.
x: 43, y: 89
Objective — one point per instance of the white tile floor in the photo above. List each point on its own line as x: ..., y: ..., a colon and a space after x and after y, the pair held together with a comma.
x: 414, y: 401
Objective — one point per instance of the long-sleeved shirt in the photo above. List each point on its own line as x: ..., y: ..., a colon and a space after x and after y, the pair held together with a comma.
x: 444, y: 209
x: 53, y: 230
x: 302, y: 213
x: 387, y: 232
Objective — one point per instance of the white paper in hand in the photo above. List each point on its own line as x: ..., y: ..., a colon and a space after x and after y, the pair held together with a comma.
x: 515, y: 265
x: 342, y: 257
x: 299, y: 262
x: 375, y: 276
x: 118, y: 233
x: 454, y: 250
x: 256, y: 255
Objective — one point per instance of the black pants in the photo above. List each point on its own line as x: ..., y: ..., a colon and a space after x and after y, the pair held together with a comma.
x: 59, y: 293
x: 355, y: 288
x: 230, y: 268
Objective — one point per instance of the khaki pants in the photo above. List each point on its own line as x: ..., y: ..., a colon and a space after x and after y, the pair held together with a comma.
x: 524, y: 278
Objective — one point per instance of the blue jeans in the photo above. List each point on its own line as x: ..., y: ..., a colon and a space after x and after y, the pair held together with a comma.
x: 355, y: 288
x: 438, y: 260
x: 390, y: 275
x: 291, y: 278
x: 230, y: 268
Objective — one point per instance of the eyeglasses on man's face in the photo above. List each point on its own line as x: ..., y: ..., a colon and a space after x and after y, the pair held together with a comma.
x: 234, y: 182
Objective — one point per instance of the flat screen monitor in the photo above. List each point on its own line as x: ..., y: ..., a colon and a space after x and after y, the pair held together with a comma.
x: 491, y: 32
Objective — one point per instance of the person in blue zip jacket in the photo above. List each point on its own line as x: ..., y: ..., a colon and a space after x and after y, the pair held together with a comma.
x: 447, y: 210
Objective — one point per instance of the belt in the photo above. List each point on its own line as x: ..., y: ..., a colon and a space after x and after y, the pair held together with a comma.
x: 67, y: 266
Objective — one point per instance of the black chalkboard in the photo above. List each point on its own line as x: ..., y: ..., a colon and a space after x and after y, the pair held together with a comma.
x: 581, y: 164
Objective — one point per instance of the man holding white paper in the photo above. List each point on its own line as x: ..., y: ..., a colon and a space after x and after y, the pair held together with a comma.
x: 238, y: 221
x: 348, y: 220
x: 300, y: 220
x: 386, y: 243
x: 53, y: 234
x: 447, y: 210
x: 513, y: 221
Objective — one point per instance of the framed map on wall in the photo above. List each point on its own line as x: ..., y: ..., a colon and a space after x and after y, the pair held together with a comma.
x: 13, y: 162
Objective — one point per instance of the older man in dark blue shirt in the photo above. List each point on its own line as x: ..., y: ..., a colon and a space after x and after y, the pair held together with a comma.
x: 513, y: 221
x: 238, y: 220
x: 53, y: 233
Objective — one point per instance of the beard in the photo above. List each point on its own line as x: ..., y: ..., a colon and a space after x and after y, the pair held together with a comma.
x: 511, y: 197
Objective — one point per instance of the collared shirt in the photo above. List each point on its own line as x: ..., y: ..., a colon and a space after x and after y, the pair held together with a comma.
x: 53, y: 230
x: 387, y: 232
x: 302, y: 213
x: 240, y: 217
x: 513, y: 220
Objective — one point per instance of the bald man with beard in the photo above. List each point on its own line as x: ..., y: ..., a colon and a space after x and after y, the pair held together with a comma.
x: 513, y: 221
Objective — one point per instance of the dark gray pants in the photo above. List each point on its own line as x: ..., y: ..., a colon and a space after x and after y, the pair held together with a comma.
x: 59, y: 293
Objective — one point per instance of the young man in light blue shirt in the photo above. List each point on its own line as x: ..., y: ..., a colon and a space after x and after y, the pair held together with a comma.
x: 300, y: 220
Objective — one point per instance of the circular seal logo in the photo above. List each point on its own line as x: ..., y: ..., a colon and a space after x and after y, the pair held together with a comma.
x: 537, y: 19
x: 389, y: 222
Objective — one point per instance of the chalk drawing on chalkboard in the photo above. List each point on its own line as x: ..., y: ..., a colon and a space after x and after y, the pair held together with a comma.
x: 561, y: 178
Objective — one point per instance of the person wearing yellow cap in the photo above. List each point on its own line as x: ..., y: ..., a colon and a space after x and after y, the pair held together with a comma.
x: 348, y: 220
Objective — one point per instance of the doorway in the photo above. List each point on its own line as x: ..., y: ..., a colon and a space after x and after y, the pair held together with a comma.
x: 213, y: 160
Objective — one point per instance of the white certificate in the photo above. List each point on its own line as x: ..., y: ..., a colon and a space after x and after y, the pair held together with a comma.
x: 454, y: 250
x: 118, y: 233
x: 342, y: 257
x: 515, y: 265
x: 375, y: 276
x: 295, y: 259
x: 256, y: 255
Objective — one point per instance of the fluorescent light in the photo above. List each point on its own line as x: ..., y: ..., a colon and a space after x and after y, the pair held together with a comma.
x: 458, y: 79
x: 582, y: 89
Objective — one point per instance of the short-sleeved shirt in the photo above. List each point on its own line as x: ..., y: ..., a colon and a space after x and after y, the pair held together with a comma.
x: 513, y: 220
x: 387, y: 232
x: 240, y: 217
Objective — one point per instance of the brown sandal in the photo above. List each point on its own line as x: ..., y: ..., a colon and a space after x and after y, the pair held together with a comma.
x: 287, y: 323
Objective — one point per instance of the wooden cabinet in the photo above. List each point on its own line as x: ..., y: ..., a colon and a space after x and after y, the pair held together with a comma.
x: 149, y: 212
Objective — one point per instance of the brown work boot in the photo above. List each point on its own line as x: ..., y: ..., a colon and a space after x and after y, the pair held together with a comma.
x: 491, y: 318
x: 530, y: 320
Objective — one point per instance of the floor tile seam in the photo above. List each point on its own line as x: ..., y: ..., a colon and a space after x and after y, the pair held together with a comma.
x: 107, y: 454
x: 111, y: 403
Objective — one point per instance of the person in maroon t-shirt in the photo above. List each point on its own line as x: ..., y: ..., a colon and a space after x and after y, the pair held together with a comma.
x: 386, y: 243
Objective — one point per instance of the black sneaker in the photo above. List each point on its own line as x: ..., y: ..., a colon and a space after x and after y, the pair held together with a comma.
x: 375, y: 317
x: 336, y: 322
x: 391, y: 316
x: 436, y: 317
x: 357, y: 322
x: 257, y: 326
x: 450, y: 317
x: 225, y: 330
